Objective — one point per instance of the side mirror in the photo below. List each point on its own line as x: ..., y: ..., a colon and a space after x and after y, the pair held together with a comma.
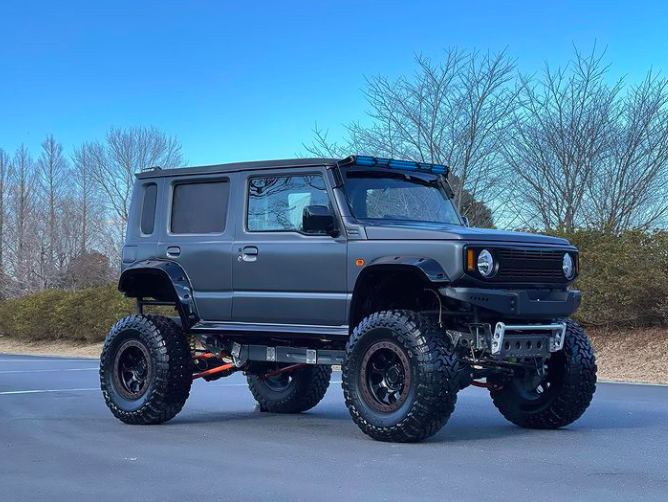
x: 319, y: 220
x: 466, y: 221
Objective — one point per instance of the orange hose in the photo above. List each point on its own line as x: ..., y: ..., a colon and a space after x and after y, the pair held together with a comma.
x: 485, y: 385
x: 212, y: 371
x: 207, y: 355
x: 284, y: 370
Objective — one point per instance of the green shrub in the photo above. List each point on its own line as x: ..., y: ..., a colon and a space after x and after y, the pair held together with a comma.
x: 623, y: 278
x: 85, y: 315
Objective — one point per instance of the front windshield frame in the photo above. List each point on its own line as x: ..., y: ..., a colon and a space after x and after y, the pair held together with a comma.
x: 438, y: 181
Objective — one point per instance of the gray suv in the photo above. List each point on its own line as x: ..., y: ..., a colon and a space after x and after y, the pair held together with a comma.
x: 283, y: 269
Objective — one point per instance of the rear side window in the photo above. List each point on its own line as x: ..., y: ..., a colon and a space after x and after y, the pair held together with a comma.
x: 200, y: 208
x: 148, y: 209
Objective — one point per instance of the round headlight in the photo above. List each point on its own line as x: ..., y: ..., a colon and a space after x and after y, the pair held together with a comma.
x: 485, y: 263
x: 568, y: 266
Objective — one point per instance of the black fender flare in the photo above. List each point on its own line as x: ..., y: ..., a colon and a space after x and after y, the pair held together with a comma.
x: 181, y: 292
x: 428, y: 268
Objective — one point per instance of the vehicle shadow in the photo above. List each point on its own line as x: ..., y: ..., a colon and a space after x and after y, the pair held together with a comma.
x: 467, y: 425
x: 318, y: 415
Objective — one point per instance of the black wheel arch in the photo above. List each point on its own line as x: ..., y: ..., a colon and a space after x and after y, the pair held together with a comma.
x: 412, y: 271
x: 164, y: 280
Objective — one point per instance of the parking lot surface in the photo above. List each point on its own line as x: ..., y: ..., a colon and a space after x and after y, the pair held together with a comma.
x: 58, y: 442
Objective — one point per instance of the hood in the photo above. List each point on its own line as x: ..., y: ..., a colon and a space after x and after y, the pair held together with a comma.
x: 439, y: 231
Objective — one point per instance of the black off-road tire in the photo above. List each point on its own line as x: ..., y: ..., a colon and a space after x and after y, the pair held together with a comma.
x: 305, y: 389
x: 428, y: 398
x: 169, y: 366
x: 570, y: 394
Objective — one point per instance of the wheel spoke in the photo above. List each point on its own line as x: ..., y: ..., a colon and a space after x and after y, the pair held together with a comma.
x: 376, y: 378
x: 133, y: 370
x: 382, y: 394
x: 385, y: 376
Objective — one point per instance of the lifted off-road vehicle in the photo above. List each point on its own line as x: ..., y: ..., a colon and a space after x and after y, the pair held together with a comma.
x: 283, y: 269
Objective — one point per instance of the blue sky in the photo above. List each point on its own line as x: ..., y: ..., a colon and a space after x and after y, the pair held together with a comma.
x: 248, y: 80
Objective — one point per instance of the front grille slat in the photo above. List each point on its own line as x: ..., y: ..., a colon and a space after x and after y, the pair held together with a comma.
x: 529, y: 265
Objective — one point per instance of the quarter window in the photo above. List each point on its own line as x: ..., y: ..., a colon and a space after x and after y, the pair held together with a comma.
x: 200, y: 208
x: 276, y: 203
x: 148, y: 209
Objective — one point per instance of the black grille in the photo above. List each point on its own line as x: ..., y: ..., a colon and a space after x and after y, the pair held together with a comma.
x: 529, y: 265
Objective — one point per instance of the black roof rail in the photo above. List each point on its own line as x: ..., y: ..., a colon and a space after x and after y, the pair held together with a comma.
x: 152, y: 168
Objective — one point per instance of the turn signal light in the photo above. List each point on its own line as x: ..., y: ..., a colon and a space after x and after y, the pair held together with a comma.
x: 470, y: 260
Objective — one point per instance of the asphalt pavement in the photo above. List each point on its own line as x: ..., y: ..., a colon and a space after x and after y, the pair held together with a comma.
x: 58, y: 442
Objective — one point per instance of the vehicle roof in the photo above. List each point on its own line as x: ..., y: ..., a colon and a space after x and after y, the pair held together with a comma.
x: 237, y: 166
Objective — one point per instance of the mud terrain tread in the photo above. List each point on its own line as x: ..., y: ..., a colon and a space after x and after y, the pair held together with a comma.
x: 437, y: 376
x: 576, y: 393
x: 309, y: 389
x: 172, y: 361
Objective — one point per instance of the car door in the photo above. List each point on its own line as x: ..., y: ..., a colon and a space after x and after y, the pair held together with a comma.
x: 199, y: 236
x: 282, y: 274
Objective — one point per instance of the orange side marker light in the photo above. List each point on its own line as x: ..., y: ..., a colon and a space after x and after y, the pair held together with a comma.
x: 359, y: 262
x: 470, y: 266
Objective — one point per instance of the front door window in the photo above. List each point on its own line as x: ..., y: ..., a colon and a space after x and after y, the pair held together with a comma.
x: 276, y: 203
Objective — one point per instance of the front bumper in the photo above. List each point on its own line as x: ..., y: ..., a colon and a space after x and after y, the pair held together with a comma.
x: 518, y: 303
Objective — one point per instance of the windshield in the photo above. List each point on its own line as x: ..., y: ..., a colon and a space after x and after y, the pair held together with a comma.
x: 381, y: 195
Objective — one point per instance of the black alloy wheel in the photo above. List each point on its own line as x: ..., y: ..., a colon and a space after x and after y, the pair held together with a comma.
x: 146, y: 369
x: 400, y: 376
x: 385, y: 376
x: 278, y: 383
x: 132, y: 371
x: 291, y: 391
x: 558, y: 393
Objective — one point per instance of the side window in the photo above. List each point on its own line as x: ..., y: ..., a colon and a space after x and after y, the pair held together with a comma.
x: 148, y: 209
x: 200, y: 208
x: 277, y: 203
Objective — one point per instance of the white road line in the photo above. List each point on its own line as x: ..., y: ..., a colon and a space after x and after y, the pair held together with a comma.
x: 43, y: 391
x: 642, y: 384
x: 46, y: 360
x: 48, y: 371
x: 90, y: 389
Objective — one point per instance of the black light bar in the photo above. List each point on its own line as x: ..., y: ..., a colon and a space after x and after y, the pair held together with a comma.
x: 404, y: 165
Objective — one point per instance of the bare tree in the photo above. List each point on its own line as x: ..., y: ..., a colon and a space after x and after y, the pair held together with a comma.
x: 4, y: 172
x: 125, y: 152
x: 587, y: 153
x: 561, y: 133
x: 70, y: 238
x: 629, y: 188
x: 22, y: 236
x: 455, y: 112
x: 87, y: 197
x: 53, y: 173
x: 53, y: 217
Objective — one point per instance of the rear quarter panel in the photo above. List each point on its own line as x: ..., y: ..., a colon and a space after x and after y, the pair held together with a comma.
x: 138, y: 246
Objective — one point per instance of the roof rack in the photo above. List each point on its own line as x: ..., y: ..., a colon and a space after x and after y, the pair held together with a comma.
x: 405, y: 165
